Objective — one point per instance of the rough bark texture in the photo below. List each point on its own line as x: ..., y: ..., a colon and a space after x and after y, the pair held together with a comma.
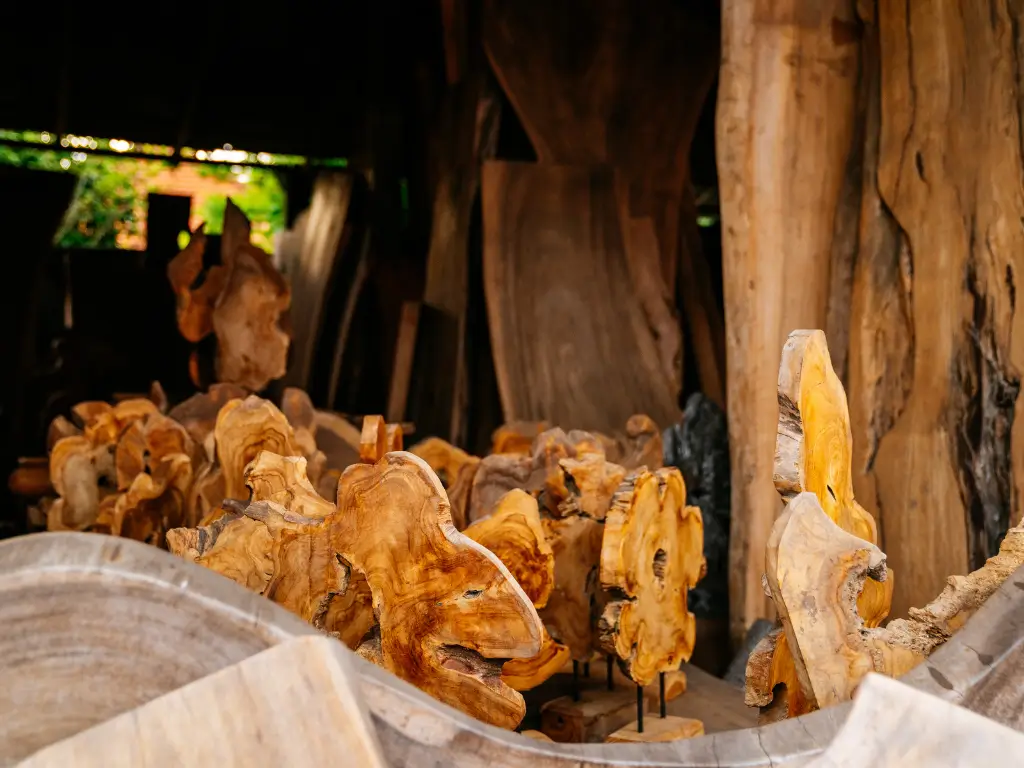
x: 945, y: 477
x: 652, y: 554
x: 786, y: 100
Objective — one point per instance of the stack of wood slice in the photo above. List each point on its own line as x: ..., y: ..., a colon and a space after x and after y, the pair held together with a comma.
x: 383, y: 570
x: 824, y: 570
x: 131, y: 469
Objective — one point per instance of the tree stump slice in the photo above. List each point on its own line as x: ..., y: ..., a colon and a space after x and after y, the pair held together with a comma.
x: 652, y: 554
x: 668, y: 728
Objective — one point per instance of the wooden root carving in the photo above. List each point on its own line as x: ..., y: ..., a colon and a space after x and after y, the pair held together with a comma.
x: 513, y: 532
x: 652, y: 554
x: 449, y: 613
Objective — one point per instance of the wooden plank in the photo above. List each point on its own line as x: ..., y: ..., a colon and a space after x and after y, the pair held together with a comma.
x: 570, y: 342
x: 294, y: 704
x: 401, y: 371
x: 782, y: 154
x: 311, y: 274
x: 599, y: 96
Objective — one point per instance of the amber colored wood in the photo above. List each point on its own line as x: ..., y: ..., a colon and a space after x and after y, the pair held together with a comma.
x: 669, y: 728
x: 198, y: 414
x: 537, y: 735
x: 811, y: 562
x: 782, y: 153
x: 82, y: 467
x: 252, y: 347
x: 813, y: 453
x: 31, y: 478
x: 544, y: 473
x: 243, y: 429
x: 652, y: 554
x: 195, y: 303
x: 514, y: 533
x: 373, y: 440
x: 530, y: 213
x: 639, y: 445
x: 570, y: 613
x: 517, y: 436
x: 455, y: 468
x: 302, y: 706
x: 449, y: 612
x: 298, y: 409
x: 590, y: 720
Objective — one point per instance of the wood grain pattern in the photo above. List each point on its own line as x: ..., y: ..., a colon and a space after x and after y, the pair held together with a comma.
x: 652, y: 553
x: 571, y: 344
x: 187, y: 622
x: 786, y: 101
x: 446, y: 607
x: 297, y: 703
x: 943, y: 443
x: 588, y: 81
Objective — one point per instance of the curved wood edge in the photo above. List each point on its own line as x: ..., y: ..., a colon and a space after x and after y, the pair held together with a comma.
x: 413, y: 728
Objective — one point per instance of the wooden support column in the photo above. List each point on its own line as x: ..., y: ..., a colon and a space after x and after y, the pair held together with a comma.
x: 786, y: 106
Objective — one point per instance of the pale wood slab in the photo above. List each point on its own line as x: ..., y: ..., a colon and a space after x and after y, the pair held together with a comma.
x: 667, y: 728
x: 892, y: 725
x: 297, y: 703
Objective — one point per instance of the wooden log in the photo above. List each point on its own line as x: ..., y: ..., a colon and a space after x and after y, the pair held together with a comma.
x: 198, y: 414
x: 517, y: 436
x: 652, y: 553
x: 176, y: 636
x: 530, y: 212
x: 782, y: 153
x: 401, y: 369
x: 301, y: 702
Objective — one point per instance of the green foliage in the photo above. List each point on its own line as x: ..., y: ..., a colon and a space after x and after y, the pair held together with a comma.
x: 110, y: 198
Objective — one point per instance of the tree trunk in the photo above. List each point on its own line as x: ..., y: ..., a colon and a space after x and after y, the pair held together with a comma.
x: 786, y: 105
x: 939, y: 347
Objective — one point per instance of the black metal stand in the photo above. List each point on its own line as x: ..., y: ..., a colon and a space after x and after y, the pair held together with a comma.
x: 586, y: 669
x: 575, y: 681
x: 639, y: 709
x: 661, y: 694
x: 611, y: 680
